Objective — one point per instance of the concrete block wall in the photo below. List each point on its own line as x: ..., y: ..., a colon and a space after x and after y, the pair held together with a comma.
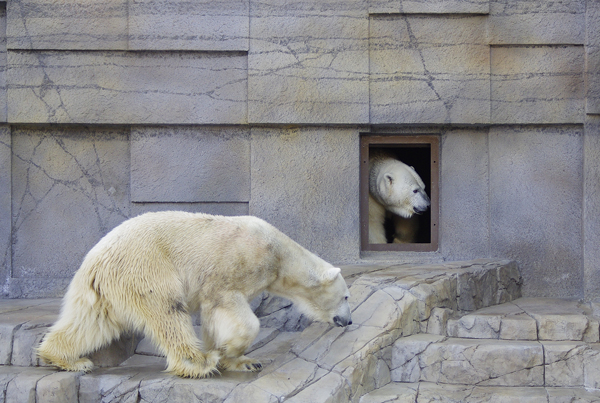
x: 112, y: 108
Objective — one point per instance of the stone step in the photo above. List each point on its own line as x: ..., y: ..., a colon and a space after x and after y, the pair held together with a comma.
x: 430, y: 392
x: 529, y: 319
x: 484, y: 362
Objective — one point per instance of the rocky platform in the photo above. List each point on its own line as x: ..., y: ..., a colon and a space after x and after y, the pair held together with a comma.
x: 408, y: 320
x: 527, y: 350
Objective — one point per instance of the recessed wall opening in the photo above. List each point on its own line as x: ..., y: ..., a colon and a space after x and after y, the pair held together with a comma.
x: 420, y: 232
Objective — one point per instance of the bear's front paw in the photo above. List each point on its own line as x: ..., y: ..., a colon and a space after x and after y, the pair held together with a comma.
x: 242, y: 363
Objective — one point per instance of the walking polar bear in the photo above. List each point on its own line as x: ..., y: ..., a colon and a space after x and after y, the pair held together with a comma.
x: 396, y: 188
x: 151, y: 271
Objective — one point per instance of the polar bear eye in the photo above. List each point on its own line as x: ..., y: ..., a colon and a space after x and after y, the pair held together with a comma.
x: 346, y: 298
x: 416, y: 191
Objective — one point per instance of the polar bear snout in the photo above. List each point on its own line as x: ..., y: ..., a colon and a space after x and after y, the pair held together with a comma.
x: 422, y: 203
x: 342, y: 321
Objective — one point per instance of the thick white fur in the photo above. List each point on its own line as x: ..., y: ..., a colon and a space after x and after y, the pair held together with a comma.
x: 150, y: 272
x: 396, y: 188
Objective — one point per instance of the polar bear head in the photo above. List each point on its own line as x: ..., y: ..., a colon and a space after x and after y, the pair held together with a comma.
x: 330, y: 299
x: 399, y: 188
x: 321, y: 294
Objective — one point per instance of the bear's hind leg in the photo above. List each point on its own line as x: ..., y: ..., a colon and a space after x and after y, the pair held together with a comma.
x: 231, y: 329
x: 82, y: 328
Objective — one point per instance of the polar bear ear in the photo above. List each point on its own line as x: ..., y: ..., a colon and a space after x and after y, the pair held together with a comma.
x: 331, y: 274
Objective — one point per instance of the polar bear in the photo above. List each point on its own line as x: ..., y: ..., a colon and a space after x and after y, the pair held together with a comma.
x: 149, y: 273
x: 396, y: 188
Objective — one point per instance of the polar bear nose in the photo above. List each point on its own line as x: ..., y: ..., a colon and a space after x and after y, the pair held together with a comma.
x: 338, y: 320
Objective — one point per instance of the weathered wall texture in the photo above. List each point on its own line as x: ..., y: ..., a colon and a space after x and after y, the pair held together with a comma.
x: 116, y: 107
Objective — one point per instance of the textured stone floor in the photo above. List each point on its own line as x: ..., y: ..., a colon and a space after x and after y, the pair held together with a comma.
x: 390, y: 303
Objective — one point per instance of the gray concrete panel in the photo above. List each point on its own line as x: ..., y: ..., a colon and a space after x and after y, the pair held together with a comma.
x: 464, y: 215
x: 592, y: 60
x: 592, y: 71
x: 126, y: 87
x: 5, y: 204
x: 591, y: 208
x: 3, y: 62
x: 67, y: 24
x: 228, y: 209
x: 536, y: 201
x: 537, y: 22
x: 308, y: 62
x: 430, y: 6
x: 305, y: 182
x: 190, y: 164
x: 426, y: 69
x: 70, y: 187
x: 537, y: 84
x: 186, y: 25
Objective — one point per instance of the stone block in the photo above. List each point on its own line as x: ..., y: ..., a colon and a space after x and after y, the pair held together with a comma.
x: 429, y: 6
x: 168, y: 388
x: 70, y: 187
x: 185, y: 164
x: 5, y: 203
x: 229, y: 209
x: 310, y: 191
x: 571, y: 395
x: 591, y: 208
x: 67, y: 24
x: 564, y: 364
x: 591, y: 368
x: 308, y: 63
x: 3, y: 62
x: 475, y: 327
x: 592, y: 79
x: 509, y: 282
x: 406, y: 355
x: 426, y: 69
x: 126, y: 87
x: 536, y: 174
x: 518, y: 327
x: 379, y: 310
x: 464, y: 361
x: 561, y: 327
x: 25, y: 341
x: 501, y: 394
x: 464, y: 221
x: 59, y: 387
x: 113, y: 384
x: 438, y: 321
x: 250, y: 393
x: 592, y: 60
x: 393, y: 392
x: 344, y: 347
x: 22, y: 387
x: 533, y: 22
x: 184, y: 25
x: 334, y: 384
x: 292, y: 376
x: 476, y: 288
x: 537, y: 84
x: 441, y: 293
